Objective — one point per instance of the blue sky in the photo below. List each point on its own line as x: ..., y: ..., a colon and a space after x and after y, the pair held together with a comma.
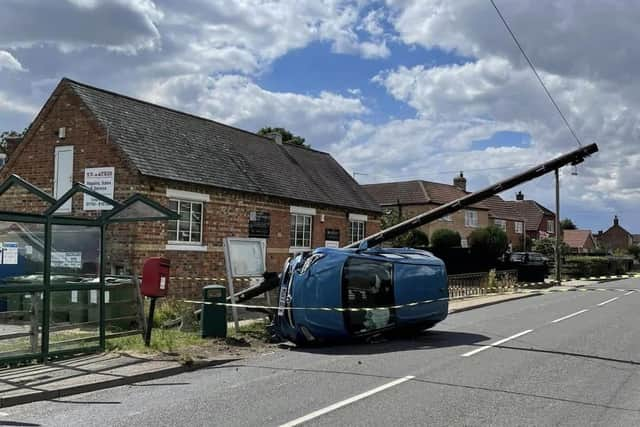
x: 395, y: 90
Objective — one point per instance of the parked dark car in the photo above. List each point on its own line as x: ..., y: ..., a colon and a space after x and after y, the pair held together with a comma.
x: 531, y: 266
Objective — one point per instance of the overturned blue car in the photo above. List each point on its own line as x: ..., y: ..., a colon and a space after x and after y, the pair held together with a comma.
x: 341, y: 294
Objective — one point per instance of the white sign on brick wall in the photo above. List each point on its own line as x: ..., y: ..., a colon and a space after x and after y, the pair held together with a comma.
x: 100, y: 180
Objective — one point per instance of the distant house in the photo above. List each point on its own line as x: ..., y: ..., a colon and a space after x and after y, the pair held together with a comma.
x: 579, y: 241
x: 615, y: 237
x: 505, y: 215
x: 410, y: 198
x: 539, y: 222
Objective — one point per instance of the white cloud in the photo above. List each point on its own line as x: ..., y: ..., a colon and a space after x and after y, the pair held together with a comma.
x: 120, y: 25
x: 236, y: 100
x: 9, y: 105
x: 9, y: 62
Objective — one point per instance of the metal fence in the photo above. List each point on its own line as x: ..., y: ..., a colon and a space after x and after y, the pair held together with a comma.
x: 475, y: 284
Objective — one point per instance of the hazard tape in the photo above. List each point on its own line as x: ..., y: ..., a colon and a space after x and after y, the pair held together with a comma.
x: 411, y: 304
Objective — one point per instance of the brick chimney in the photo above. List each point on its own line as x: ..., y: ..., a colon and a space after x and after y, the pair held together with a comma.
x: 615, y: 221
x: 276, y: 136
x: 460, y: 182
x: 519, y: 196
x: 12, y: 144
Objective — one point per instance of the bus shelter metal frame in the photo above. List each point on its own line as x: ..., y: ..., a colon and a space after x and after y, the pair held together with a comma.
x: 49, y: 218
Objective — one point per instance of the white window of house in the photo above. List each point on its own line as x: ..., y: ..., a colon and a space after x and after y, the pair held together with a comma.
x: 470, y: 218
x: 518, y: 227
x: 549, y: 226
x: 185, y: 233
x: 501, y: 223
x: 301, y: 224
x: 464, y: 243
x: 357, y: 227
x: 63, y: 175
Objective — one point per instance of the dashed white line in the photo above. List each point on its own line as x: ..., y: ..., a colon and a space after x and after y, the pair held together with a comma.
x: 502, y: 341
x: 629, y: 293
x: 607, y: 301
x: 346, y: 402
x: 569, y: 316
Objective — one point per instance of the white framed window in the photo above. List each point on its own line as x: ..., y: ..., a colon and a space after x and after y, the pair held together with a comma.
x: 550, y: 224
x: 518, y: 227
x: 300, y: 232
x: 187, y: 229
x: 500, y: 223
x: 464, y: 243
x: 470, y: 219
x: 356, y: 230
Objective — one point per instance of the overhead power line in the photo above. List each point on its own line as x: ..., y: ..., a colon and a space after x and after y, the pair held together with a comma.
x: 533, y: 68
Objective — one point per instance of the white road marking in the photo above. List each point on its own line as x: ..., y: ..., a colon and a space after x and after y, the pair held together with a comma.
x: 346, y: 402
x: 502, y: 341
x: 629, y: 293
x: 4, y: 414
x: 607, y: 301
x: 569, y: 316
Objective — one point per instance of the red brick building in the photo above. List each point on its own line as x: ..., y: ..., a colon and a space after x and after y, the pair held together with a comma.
x: 223, y: 181
x: 615, y: 237
x: 539, y: 222
x: 579, y: 241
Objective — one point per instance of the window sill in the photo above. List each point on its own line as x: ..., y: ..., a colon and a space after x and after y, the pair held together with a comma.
x: 297, y: 250
x: 179, y: 247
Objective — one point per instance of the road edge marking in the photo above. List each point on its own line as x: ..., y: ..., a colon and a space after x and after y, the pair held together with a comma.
x: 502, y: 341
x: 570, y: 316
x: 346, y: 402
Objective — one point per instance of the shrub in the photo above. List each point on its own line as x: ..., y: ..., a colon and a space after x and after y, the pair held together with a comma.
x: 585, y: 266
x: 634, y: 251
x: 444, y: 238
x: 490, y: 242
x: 547, y: 247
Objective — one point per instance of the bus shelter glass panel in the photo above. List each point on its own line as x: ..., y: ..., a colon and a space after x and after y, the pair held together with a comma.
x: 22, y: 253
x: 20, y: 323
x: 21, y: 266
x: 74, y: 319
x: 74, y: 316
x: 75, y: 255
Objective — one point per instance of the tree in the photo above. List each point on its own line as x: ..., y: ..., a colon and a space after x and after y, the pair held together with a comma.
x: 567, y: 224
x: 634, y: 250
x: 286, y: 135
x: 7, y: 134
x: 490, y: 242
x: 547, y: 247
x: 415, y: 238
x: 443, y: 238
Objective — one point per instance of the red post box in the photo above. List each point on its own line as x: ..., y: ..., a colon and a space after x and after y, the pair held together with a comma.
x: 155, y: 277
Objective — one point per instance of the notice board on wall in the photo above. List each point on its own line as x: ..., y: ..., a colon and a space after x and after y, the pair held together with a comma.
x: 100, y: 180
x: 259, y: 224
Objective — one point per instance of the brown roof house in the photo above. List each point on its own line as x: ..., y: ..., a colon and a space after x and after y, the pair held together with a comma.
x: 411, y: 198
x: 505, y: 215
x: 223, y: 181
x: 579, y: 241
x: 615, y: 237
x: 539, y: 222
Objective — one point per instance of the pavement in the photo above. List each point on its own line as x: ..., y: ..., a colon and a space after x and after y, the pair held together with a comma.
x: 57, y: 379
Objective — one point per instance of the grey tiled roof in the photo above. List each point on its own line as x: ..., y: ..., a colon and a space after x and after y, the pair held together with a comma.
x: 170, y: 144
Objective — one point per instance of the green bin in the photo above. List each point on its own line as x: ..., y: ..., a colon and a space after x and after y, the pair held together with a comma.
x: 214, y: 317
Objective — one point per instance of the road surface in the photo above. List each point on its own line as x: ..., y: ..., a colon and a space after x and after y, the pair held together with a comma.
x: 568, y: 358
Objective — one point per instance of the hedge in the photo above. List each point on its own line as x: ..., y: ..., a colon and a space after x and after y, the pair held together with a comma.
x: 585, y: 266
